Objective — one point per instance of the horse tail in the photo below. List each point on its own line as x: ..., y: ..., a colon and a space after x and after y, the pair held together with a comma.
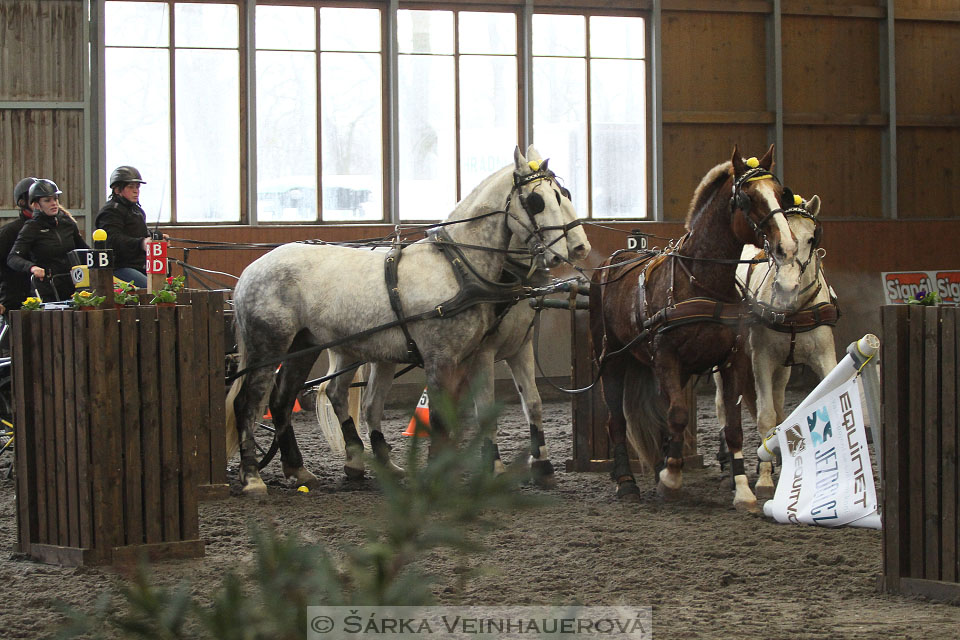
x: 645, y: 412
x: 328, y: 422
x: 233, y: 440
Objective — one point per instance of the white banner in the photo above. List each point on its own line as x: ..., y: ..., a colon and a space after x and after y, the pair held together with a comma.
x: 826, y: 478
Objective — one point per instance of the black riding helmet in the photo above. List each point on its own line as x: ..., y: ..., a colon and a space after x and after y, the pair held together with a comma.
x: 123, y: 175
x: 21, y: 190
x: 43, y: 188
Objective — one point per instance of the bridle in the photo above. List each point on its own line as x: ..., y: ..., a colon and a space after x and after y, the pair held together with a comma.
x: 739, y: 201
x: 534, y: 204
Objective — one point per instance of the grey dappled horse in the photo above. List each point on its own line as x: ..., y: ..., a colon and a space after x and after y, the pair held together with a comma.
x: 302, y: 295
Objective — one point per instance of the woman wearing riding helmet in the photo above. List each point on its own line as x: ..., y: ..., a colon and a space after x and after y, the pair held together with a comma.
x: 126, y: 225
x: 43, y: 245
x: 14, y: 285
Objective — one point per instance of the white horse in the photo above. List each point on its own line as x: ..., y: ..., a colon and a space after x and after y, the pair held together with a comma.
x: 306, y: 296
x: 794, y: 313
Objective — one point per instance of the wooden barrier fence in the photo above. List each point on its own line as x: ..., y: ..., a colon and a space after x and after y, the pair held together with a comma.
x: 117, y: 415
x: 921, y: 488
x: 591, y: 445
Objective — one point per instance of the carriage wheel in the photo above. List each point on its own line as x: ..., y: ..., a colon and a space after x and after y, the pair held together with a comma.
x: 265, y: 437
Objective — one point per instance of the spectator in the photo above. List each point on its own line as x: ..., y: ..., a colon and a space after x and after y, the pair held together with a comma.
x: 44, y: 242
x: 126, y: 225
x: 14, y: 285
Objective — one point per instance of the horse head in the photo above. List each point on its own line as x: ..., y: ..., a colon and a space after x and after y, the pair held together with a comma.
x: 541, y: 214
x: 756, y: 209
x: 794, y: 278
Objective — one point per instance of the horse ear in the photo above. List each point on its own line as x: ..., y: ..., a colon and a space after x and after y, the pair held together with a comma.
x: 543, y: 165
x: 519, y: 162
x: 767, y: 160
x: 813, y: 206
x: 738, y: 165
x: 533, y: 154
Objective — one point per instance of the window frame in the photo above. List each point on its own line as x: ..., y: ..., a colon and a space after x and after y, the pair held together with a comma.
x: 388, y: 84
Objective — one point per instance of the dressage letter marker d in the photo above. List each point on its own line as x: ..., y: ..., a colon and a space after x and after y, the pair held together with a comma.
x: 156, y: 257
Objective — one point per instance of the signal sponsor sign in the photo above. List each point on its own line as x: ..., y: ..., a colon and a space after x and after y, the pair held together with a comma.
x: 901, y: 286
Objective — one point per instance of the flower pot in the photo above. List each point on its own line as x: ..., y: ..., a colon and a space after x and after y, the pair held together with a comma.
x: 166, y: 304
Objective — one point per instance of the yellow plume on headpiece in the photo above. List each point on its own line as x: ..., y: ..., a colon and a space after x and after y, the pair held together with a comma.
x: 534, y: 165
x: 753, y: 163
x: 797, y: 199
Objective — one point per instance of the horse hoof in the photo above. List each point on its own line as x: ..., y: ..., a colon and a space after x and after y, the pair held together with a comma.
x: 353, y: 473
x: 254, y: 487
x: 765, y: 491
x: 542, y: 473
x: 627, y: 491
x: 746, y: 506
x: 394, y: 470
x: 669, y: 494
x: 301, y: 477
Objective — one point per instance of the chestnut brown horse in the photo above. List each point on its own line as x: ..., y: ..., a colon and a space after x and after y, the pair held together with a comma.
x: 657, y: 321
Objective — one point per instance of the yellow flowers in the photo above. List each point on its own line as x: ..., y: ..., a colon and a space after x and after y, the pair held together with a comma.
x: 31, y: 304
x: 86, y: 299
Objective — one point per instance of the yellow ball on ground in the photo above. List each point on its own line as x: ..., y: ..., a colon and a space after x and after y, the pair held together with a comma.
x: 303, y: 489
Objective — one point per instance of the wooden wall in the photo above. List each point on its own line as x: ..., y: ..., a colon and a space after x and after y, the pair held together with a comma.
x: 42, y: 61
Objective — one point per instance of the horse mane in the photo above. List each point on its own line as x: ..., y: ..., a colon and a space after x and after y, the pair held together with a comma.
x: 706, y: 189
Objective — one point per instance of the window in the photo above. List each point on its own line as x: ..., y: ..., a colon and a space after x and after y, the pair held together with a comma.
x: 175, y: 76
x: 589, y: 96
x: 206, y: 91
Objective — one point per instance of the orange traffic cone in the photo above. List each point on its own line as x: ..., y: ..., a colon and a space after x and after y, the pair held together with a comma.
x: 422, y: 415
x: 296, y: 408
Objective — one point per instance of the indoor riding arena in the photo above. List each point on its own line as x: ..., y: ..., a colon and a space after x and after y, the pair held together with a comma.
x: 494, y: 318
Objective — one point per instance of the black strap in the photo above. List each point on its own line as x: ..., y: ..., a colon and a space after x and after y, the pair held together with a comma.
x: 391, y: 265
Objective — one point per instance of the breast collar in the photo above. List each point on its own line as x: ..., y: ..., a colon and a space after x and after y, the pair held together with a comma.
x: 474, y: 288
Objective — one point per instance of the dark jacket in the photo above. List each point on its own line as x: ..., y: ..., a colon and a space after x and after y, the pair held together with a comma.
x: 14, y: 285
x: 126, y: 227
x: 45, y: 241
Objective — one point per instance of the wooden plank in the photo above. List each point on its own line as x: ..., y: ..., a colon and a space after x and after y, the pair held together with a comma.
x: 931, y: 443
x: 57, y: 381
x: 724, y: 6
x: 837, y: 119
x: 187, y: 368
x: 894, y: 323
x: 933, y: 589
x: 216, y: 396
x: 169, y: 444
x: 581, y: 409
x: 48, y: 431
x: 69, y: 389
x: 921, y: 153
x: 23, y: 326
x: 834, y: 11
x: 851, y: 189
x: 150, y: 420
x: 130, y: 431
x: 160, y: 551
x: 955, y: 545
x: 719, y: 117
x: 927, y: 15
x: 201, y: 423
x: 914, y: 440
x: 85, y: 442
x: 110, y: 409
x: 67, y: 556
x: 948, y: 443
